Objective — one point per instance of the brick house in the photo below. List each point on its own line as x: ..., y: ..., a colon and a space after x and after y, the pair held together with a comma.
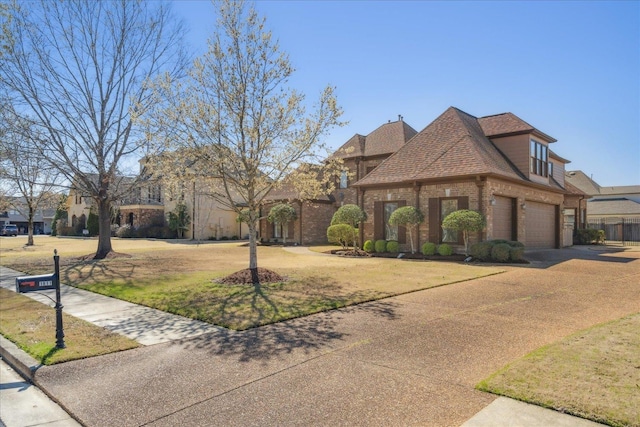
x: 360, y: 155
x: 497, y: 165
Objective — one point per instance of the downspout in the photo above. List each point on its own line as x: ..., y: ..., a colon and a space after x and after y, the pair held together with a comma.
x: 300, y: 225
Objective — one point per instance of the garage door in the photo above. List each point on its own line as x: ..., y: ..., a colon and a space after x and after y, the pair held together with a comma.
x: 541, y: 225
x: 503, y: 218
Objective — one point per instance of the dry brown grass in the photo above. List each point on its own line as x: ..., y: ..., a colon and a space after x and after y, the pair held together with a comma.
x: 177, y: 277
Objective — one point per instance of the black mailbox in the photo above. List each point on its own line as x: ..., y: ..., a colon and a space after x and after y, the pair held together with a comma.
x: 35, y: 283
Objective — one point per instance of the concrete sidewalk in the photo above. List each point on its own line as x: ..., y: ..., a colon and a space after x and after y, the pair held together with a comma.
x: 142, y: 324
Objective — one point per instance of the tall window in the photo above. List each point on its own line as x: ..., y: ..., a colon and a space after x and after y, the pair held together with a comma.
x: 446, y: 207
x: 344, y: 181
x: 277, y: 230
x: 390, y: 231
x: 539, y: 158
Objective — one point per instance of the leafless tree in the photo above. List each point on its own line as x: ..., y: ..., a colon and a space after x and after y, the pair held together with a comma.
x: 237, y: 117
x: 80, y: 69
x: 28, y: 181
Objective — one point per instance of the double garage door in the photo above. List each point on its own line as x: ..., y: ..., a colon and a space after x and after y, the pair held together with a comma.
x: 541, y: 225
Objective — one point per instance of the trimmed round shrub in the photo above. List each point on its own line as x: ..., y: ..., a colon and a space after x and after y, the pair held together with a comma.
x: 501, y: 252
x: 381, y: 246
x: 445, y: 250
x: 393, y: 247
x: 515, y: 244
x: 481, y: 250
x: 516, y: 254
x: 429, y: 249
x: 340, y: 234
x: 368, y: 246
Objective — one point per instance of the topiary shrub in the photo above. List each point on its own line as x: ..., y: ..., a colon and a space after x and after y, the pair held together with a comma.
x: 369, y: 246
x: 340, y: 234
x: 481, y: 250
x: 393, y: 247
x: 380, y: 246
x: 501, y: 252
x: 445, y: 249
x: 429, y: 249
x: 516, y: 253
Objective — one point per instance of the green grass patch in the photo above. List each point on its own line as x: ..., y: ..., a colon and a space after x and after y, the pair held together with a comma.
x: 31, y: 325
x: 594, y: 374
x: 237, y: 307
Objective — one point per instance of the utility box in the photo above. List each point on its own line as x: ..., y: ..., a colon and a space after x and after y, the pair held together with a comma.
x: 35, y: 283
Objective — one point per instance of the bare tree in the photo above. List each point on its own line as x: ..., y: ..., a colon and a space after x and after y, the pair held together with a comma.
x: 28, y: 180
x: 236, y: 113
x: 80, y: 69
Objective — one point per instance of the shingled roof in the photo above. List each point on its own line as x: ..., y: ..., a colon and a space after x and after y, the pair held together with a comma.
x: 453, y: 145
x: 507, y: 124
x: 385, y: 140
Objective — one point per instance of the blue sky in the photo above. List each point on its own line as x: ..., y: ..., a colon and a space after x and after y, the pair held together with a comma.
x: 570, y: 69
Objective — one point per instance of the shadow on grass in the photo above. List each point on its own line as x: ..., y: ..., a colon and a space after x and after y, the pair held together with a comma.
x: 308, y: 333
x: 98, y: 269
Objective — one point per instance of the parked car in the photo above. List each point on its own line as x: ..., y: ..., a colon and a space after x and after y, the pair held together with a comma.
x: 9, y: 230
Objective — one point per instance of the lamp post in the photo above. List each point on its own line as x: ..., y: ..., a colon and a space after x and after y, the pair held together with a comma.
x: 59, y: 329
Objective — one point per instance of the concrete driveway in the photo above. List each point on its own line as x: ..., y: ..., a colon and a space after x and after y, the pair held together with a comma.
x: 407, y: 360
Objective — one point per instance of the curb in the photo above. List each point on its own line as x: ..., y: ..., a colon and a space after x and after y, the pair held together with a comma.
x: 20, y: 361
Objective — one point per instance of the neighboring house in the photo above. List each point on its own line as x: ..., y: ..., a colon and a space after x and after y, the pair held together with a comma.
x: 498, y: 165
x: 360, y: 155
x: 41, y: 220
x: 148, y: 203
x: 621, y: 201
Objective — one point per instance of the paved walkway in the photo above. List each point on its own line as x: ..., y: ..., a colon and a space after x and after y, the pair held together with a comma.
x: 143, y: 324
x: 408, y: 360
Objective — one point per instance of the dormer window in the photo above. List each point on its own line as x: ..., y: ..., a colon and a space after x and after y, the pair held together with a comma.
x: 539, y: 159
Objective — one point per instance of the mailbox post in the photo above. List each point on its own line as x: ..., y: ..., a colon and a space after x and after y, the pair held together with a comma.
x: 59, y: 329
x: 42, y: 282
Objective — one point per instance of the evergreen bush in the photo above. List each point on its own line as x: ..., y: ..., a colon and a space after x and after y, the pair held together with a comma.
x: 429, y: 249
x: 380, y: 246
x: 369, y: 246
x: 516, y: 253
x: 393, y: 247
x: 445, y: 249
x: 501, y: 252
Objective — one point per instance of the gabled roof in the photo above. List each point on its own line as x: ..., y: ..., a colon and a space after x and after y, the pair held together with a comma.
x: 507, y: 124
x: 453, y: 145
x: 620, y: 189
x: 621, y: 206
x: 385, y: 140
x: 582, y: 181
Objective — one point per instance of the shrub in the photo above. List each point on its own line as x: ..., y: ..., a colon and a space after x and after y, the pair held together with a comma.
x: 409, y: 217
x: 429, y: 249
x: 340, y: 234
x: 588, y: 236
x: 125, y: 231
x: 500, y: 252
x: 93, y: 226
x: 515, y: 244
x: 352, y: 215
x: 380, y: 246
x: 466, y: 221
x: 516, y: 253
x: 445, y: 250
x: 481, y: 250
x: 368, y: 246
x: 393, y: 247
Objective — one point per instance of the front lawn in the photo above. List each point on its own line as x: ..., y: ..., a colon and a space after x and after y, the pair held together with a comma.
x: 594, y: 374
x: 31, y: 325
x: 179, y: 277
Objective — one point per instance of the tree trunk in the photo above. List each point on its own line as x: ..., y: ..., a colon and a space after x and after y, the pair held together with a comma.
x: 30, y: 226
x: 253, y: 245
x: 104, y: 234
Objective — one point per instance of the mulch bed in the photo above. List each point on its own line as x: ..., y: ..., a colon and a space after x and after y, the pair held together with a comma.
x: 249, y: 277
x: 403, y: 255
